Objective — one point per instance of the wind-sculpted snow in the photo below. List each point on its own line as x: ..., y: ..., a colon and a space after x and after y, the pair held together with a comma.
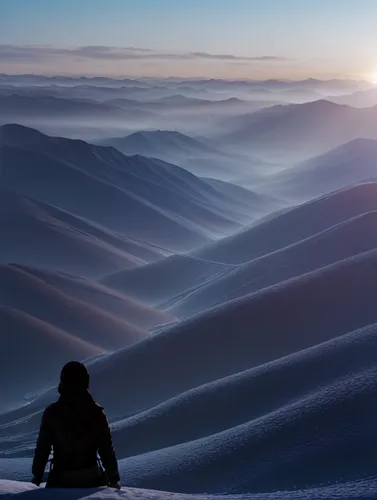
x: 358, y: 490
x: 277, y: 427
x: 293, y: 225
x: 354, y: 236
x: 243, y: 333
x: 245, y: 396
x: 239, y: 335
x: 159, y: 281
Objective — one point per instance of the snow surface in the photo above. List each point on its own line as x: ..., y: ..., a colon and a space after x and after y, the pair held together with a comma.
x: 271, y: 393
x: 360, y: 490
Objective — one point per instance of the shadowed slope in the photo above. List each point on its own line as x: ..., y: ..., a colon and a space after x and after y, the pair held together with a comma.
x: 356, y: 235
x: 159, y: 281
x: 38, y: 234
x: 298, y: 131
x: 33, y: 296
x: 101, y: 297
x: 293, y: 225
x: 32, y: 354
x: 339, y: 168
x: 241, y: 334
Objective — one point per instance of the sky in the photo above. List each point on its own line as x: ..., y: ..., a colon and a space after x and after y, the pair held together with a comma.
x: 255, y: 39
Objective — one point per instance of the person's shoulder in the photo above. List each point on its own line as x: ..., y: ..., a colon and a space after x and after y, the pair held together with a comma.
x: 98, y: 408
x: 100, y: 412
x: 51, y: 410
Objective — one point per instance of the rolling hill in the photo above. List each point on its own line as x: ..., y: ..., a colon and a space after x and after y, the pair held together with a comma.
x: 347, y: 165
x: 31, y: 295
x: 239, y: 335
x: 177, y: 282
x: 185, y: 210
x: 158, y: 282
x: 293, y: 225
x: 32, y: 353
x: 101, y: 297
x: 36, y: 233
x: 339, y: 242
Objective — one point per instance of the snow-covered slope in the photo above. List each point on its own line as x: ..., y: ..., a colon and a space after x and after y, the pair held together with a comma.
x: 35, y: 233
x: 101, y: 297
x: 158, y: 194
x: 354, y: 236
x: 299, y: 131
x: 241, y: 334
x: 293, y: 225
x: 276, y: 427
x: 32, y: 295
x: 344, y: 491
x: 244, y: 333
x: 157, y: 282
x: 339, y: 168
x: 31, y: 353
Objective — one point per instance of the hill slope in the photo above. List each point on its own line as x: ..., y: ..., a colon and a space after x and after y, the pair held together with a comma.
x: 293, y: 225
x: 162, y: 195
x: 155, y: 283
x: 32, y: 353
x: 101, y: 297
x: 342, y: 167
x: 164, y: 144
x: 35, y: 233
x: 31, y: 295
x: 299, y: 131
x: 354, y: 236
x: 242, y: 334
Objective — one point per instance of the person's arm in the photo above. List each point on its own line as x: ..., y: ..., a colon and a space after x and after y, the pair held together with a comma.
x: 107, y: 453
x: 42, y: 450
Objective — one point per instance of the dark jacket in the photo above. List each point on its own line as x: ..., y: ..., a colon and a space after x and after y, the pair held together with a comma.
x: 76, y: 429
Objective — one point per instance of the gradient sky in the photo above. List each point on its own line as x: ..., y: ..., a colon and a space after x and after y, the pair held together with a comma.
x: 209, y: 38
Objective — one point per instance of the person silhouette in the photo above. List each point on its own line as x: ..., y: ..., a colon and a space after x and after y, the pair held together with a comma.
x: 75, y: 427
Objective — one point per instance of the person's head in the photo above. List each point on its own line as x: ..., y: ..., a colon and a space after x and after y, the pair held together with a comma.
x: 74, y: 378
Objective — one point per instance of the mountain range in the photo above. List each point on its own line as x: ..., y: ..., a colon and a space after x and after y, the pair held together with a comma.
x: 209, y: 251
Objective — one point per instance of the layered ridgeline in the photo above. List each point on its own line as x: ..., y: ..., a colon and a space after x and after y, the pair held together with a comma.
x: 203, y: 157
x: 282, y: 246
x: 142, y: 198
x: 60, y: 240
x: 344, y: 166
x: 72, y: 212
x: 294, y: 132
x: 285, y: 362
x: 254, y: 392
x: 266, y: 384
x: 48, y: 318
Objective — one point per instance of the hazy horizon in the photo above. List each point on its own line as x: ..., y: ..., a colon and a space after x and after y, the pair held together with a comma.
x: 273, y: 40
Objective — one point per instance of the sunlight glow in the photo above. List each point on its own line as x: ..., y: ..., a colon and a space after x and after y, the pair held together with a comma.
x: 373, y: 77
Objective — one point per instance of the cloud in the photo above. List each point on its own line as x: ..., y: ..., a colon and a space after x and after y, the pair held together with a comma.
x: 30, y: 53
x: 231, y: 57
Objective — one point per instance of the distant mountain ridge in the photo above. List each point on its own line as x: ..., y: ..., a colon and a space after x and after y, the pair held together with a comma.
x: 297, y: 131
x: 176, y: 200
x: 347, y: 165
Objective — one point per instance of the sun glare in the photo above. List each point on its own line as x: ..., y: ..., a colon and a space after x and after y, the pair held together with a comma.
x: 373, y: 77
